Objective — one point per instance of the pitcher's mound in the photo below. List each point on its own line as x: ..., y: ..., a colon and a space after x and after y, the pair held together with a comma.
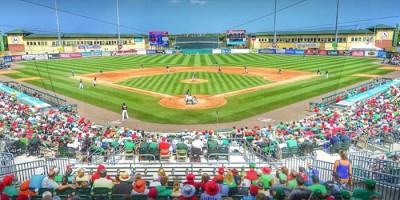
x: 204, y: 102
x: 195, y: 81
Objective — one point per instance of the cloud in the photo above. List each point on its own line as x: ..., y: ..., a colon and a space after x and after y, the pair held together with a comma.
x: 200, y: 2
x: 174, y: 1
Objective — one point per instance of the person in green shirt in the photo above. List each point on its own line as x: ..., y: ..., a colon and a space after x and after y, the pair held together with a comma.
x: 24, y: 139
x: 129, y: 145
x: 316, y: 185
x: 267, y: 178
x: 292, y: 183
x: 291, y: 143
x: 9, y: 189
x: 181, y: 146
x: 366, y: 192
x: 162, y: 189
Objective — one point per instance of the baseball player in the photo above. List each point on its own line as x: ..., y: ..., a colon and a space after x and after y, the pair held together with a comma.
x: 246, y: 70
x: 94, y: 81
x: 280, y: 71
x: 73, y: 72
x: 124, y: 112
x: 142, y: 66
x: 101, y: 72
x: 80, y: 84
x: 319, y: 71
x: 168, y: 68
x: 194, y: 78
x: 219, y: 69
x: 326, y: 74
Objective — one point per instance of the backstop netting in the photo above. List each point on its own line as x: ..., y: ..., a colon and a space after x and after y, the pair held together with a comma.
x: 197, y: 42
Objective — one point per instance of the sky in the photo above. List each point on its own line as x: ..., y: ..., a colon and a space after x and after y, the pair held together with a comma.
x: 193, y: 16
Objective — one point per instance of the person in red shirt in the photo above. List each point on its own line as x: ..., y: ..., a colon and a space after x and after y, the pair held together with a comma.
x: 96, y: 175
x: 190, y: 180
x: 163, y: 145
x: 251, y: 174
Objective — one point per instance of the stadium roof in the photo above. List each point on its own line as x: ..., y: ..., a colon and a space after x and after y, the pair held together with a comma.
x: 323, y: 32
x: 83, y: 36
x: 381, y: 26
x: 18, y: 31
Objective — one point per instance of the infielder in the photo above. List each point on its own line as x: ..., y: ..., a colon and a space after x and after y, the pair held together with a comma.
x: 94, y: 81
x: 167, y: 68
x: 326, y: 74
x: 80, y: 84
x: 246, y: 70
x: 124, y: 112
x: 319, y: 71
x: 194, y: 78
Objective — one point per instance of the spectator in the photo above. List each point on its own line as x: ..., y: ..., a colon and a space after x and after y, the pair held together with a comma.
x: 211, y: 192
x: 282, y: 185
x: 49, y: 182
x: 205, y: 178
x: 24, y: 189
x: 155, y: 181
x: 96, y: 175
x: 162, y: 190
x: 251, y: 175
x: 81, y: 179
x: 190, y: 180
x: 188, y: 192
x: 125, y: 177
x: 280, y: 194
x: 47, y: 195
x: 367, y: 191
x: 103, y: 181
x: 261, y: 196
x: 139, y: 187
x: 22, y: 197
x: 221, y: 172
x: 229, y: 180
x: 343, y: 167
x: 3, y: 195
x: 345, y: 194
x: 9, y: 189
x: 164, y: 145
x: 316, y: 185
x: 334, y: 186
x: 293, y: 182
x: 267, y: 178
x: 152, y: 194
x: 300, y: 192
x: 253, y: 193
x: 176, y: 189
x: 223, y: 189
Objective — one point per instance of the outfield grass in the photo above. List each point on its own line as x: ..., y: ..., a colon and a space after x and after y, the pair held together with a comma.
x: 217, y: 83
x: 56, y: 74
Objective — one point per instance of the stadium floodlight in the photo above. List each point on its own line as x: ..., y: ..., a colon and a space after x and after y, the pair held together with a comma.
x: 58, y: 24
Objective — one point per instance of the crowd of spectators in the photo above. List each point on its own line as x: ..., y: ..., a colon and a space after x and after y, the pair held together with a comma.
x: 250, y: 184
x: 33, y: 127
x: 394, y: 60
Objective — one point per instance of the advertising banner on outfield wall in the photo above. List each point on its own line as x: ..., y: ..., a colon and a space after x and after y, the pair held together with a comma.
x: 280, y: 51
x: 70, y: 55
x: 169, y: 51
x: 97, y: 53
x: 7, y: 58
x: 371, y: 53
x: 299, y: 52
x: 216, y: 51
x: 16, y: 58
x: 240, y: 50
x: 267, y: 51
x: 141, y: 52
x: 344, y: 52
x: 151, y: 52
x: 226, y: 51
x: 124, y: 53
x: 106, y: 53
x: 86, y: 54
x: 322, y: 52
x: 357, y: 53
x: 333, y: 53
x: 159, y: 51
x: 310, y: 52
x: 35, y: 57
x: 53, y: 56
x: 290, y: 51
x: 382, y: 54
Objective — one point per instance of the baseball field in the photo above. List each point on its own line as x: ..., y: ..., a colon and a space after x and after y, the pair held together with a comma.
x: 154, y: 95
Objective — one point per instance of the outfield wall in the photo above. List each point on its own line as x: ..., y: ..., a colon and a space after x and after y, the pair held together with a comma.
x: 354, y: 53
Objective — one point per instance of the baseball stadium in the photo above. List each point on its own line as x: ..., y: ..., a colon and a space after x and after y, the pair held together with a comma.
x: 297, y: 111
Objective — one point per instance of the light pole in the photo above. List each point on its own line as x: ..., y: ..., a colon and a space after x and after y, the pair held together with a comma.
x: 58, y: 24
x: 119, y: 33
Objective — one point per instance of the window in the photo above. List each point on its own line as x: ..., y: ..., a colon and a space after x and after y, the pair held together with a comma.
x: 130, y: 41
x: 27, y: 43
x: 359, y: 39
x: 34, y: 43
x: 352, y: 39
x: 329, y: 39
x: 340, y: 39
x: 344, y: 39
x: 364, y: 39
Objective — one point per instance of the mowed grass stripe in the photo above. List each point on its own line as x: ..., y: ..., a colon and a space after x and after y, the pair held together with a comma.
x: 197, y: 60
x: 208, y: 61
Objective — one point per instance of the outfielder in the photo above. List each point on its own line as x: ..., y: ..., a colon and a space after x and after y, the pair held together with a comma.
x: 80, y: 84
